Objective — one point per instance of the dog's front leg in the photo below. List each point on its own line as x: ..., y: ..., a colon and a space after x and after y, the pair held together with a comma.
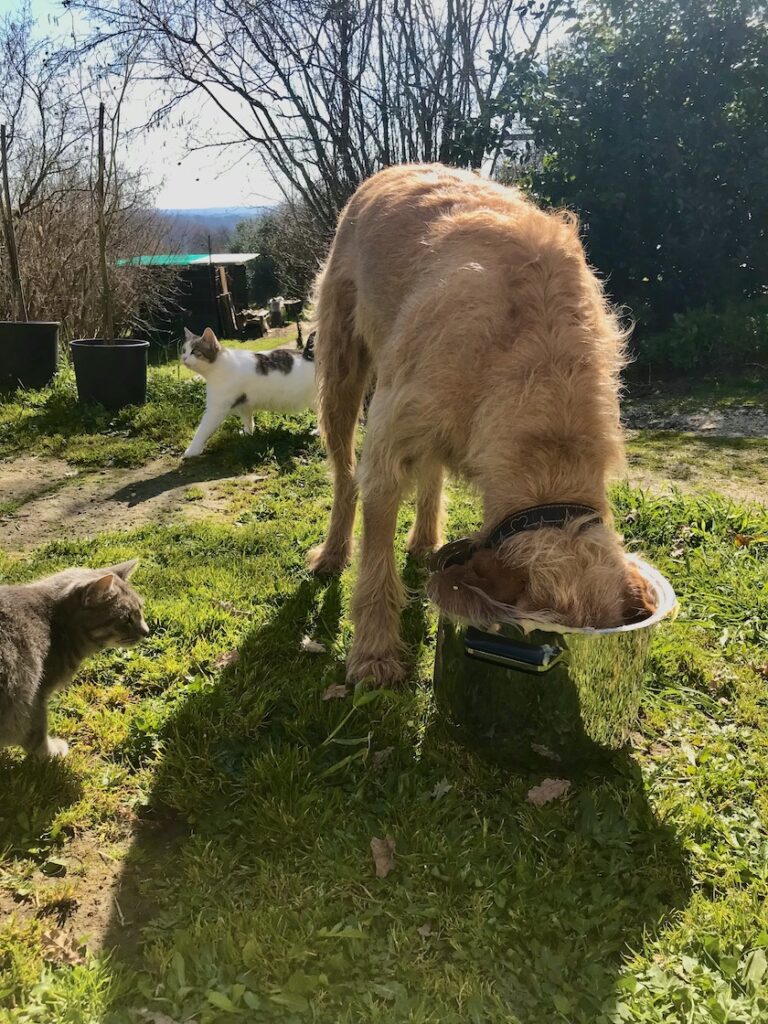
x: 377, y: 651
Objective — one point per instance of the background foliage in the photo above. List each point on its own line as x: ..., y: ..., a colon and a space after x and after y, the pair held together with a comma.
x: 652, y: 123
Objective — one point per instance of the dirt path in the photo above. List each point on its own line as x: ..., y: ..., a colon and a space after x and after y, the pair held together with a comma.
x: 52, y: 499
x: 42, y: 499
x: 731, y: 421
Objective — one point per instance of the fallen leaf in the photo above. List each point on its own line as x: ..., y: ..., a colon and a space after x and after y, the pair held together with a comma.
x: 61, y: 947
x: 442, y: 787
x: 226, y: 659
x: 689, y: 752
x: 337, y: 691
x: 312, y: 646
x: 383, y: 851
x: 425, y: 931
x: 550, y: 789
x: 229, y: 607
x: 542, y: 751
x: 155, y: 1017
x: 379, y: 757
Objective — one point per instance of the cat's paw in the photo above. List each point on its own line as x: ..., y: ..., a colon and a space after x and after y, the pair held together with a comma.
x: 192, y: 453
x: 53, y: 746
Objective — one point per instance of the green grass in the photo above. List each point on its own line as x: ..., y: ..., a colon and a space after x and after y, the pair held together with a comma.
x: 52, y: 421
x: 705, y: 461
x: 237, y: 806
x: 639, y: 898
x: 723, y: 392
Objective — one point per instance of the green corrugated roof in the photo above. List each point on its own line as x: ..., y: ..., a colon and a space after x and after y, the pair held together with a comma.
x: 175, y: 260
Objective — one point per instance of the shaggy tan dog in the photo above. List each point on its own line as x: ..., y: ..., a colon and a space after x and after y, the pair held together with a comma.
x: 497, y: 358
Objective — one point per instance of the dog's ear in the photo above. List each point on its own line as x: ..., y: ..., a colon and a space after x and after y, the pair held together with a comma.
x: 639, y: 599
x: 480, y: 590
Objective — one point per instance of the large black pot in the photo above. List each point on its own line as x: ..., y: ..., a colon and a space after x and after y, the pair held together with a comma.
x: 29, y: 353
x: 114, y: 375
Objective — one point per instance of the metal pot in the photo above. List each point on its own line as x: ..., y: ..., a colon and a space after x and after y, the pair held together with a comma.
x: 546, y: 696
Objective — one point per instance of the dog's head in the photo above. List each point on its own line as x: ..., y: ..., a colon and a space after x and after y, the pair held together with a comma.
x: 199, y: 352
x: 569, y: 576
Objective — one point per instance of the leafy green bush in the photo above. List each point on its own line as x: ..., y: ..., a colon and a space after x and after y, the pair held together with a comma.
x: 652, y: 123
x: 732, y: 339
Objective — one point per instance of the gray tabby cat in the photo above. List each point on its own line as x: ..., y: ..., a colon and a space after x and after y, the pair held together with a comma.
x: 47, y: 629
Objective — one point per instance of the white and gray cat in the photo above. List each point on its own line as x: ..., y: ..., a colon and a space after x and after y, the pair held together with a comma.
x: 47, y: 629
x: 239, y: 381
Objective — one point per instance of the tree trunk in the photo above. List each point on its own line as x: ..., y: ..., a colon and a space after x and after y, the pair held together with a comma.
x: 9, y: 232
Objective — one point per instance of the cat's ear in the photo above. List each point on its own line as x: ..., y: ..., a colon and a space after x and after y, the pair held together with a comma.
x: 98, y: 590
x: 188, y: 335
x: 125, y: 569
x: 210, y: 340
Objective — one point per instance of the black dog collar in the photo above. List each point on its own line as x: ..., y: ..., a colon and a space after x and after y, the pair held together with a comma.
x: 556, y: 515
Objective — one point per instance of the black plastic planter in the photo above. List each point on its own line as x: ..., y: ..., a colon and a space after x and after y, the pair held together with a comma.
x: 114, y: 375
x: 29, y: 353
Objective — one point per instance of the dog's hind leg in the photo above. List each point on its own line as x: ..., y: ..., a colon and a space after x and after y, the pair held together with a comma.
x: 342, y: 366
x: 426, y: 532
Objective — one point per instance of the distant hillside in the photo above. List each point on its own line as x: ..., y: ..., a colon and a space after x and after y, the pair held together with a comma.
x: 218, y: 216
x: 190, y: 228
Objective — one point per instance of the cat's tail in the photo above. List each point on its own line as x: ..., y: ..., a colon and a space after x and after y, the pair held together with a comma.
x: 308, y: 349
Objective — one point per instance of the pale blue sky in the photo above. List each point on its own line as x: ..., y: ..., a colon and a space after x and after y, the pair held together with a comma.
x: 181, y: 179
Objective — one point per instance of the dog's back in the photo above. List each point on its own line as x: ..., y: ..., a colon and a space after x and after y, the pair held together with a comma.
x: 483, y: 320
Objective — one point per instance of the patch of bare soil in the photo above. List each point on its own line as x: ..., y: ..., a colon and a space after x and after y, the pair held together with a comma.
x: 65, y: 504
x: 734, y: 421
x: 30, y: 476
x: 105, y: 906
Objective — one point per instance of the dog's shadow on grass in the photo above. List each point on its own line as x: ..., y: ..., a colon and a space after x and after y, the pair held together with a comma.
x: 32, y: 792
x: 268, y: 797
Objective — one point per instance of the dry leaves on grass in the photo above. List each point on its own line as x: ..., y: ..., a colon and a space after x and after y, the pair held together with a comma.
x: 61, y: 947
x: 337, y: 691
x: 380, y: 757
x: 155, y: 1017
x: 542, y: 751
x: 310, y: 646
x: 550, y: 789
x: 441, y: 788
x: 226, y: 659
x: 743, y: 540
x: 383, y: 851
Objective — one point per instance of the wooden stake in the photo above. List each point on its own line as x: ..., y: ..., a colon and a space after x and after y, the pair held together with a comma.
x: 109, y: 321
x: 9, y: 232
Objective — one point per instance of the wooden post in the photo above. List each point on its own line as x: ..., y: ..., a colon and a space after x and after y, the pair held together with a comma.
x: 106, y: 293
x: 9, y: 232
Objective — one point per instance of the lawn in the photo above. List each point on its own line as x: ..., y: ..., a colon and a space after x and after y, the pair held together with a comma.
x: 204, y: 853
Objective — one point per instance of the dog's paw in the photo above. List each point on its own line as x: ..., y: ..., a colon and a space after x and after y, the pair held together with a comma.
x: 326, y: 561
x: 53, y: 746
x: 420, y: 547
x: 381, y: 669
